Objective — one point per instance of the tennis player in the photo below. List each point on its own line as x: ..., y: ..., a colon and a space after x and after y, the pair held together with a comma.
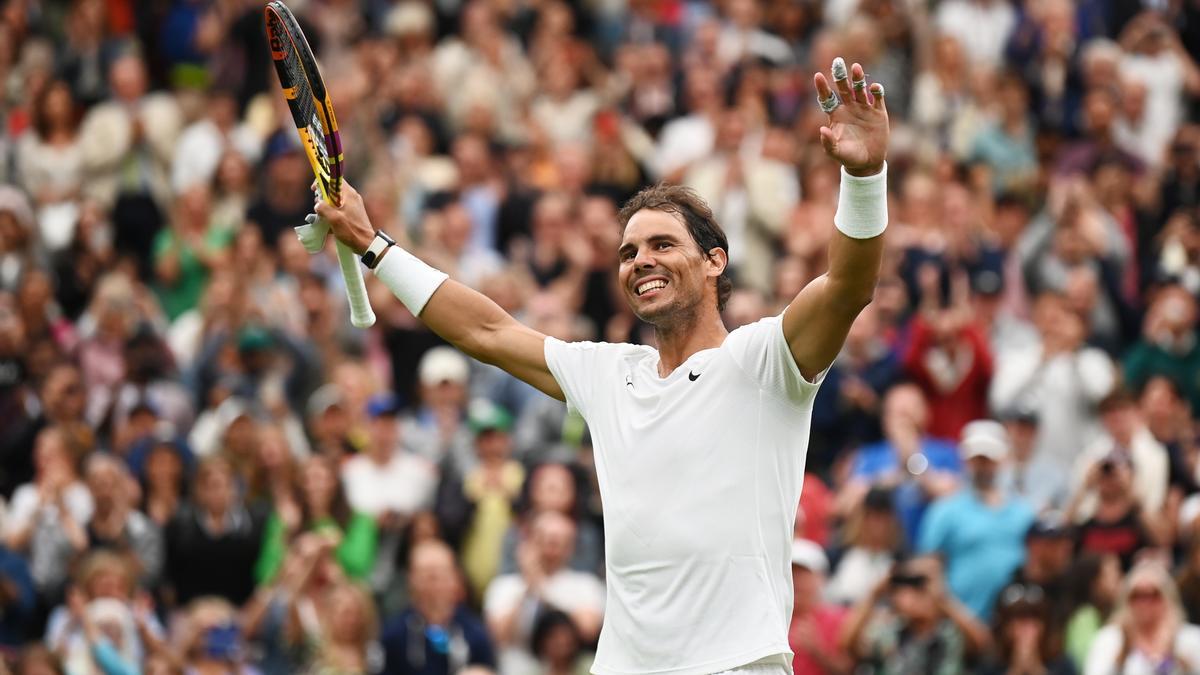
x: 700, y: 443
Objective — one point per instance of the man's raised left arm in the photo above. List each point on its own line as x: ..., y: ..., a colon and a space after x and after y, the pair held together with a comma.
x: 816, y: 322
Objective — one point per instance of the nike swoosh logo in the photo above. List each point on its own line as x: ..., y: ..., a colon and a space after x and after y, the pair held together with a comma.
x: 694, y: 376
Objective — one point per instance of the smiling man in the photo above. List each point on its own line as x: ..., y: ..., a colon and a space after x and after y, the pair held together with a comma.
x: 700, y: 443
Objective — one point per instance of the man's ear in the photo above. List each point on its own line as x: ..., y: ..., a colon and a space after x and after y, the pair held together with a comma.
x: 718, y: 260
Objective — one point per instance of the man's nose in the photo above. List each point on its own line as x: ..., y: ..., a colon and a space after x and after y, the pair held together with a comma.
x: 644, y: 258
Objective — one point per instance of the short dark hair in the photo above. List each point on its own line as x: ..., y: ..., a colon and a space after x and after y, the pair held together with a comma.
x: 697, y: 217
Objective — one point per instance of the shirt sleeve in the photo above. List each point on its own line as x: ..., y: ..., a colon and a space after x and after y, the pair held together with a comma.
x: 761, y: 351
x: 575, y: 366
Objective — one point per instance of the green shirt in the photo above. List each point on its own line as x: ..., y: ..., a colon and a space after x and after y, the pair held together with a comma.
x: 356, y: 553
x: 1145, y: 360
x: 185, y: 293
x: 1081, y: 630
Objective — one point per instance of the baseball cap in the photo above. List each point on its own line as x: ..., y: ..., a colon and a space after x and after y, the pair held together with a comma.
x: 253, y: 339
x: 483, y: 415
x: 443, y: 364
x: 323, y: 399
x: 1048, y: 526
x: 984, y: 438
x: 809, y: 555
x: 408, y: 18
x: 1023, y: 413
x: 385, y: 403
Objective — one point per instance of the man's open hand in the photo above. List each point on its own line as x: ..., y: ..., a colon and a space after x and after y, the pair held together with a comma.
x: 857, y: 132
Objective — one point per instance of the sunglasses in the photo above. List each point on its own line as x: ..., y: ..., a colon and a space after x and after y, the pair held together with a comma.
x: 1023, y: 595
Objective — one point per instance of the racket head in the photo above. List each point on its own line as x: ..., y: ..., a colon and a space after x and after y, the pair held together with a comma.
x: 307, y: 98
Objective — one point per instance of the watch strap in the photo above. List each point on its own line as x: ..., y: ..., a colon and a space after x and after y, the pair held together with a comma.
x: 378, y: 245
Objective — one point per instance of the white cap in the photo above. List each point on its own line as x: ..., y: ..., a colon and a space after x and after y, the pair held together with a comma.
x: 443, y: 364
x: 810, y: 555
x: 984, y: 438
x: 407, y: 18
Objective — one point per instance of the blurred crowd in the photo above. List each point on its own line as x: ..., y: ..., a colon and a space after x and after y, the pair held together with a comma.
x: 205, y: 469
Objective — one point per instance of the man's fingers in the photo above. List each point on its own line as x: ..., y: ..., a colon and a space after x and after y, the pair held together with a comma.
x: 858, y: 84
x: 877, y: 95
x: 841, y: 78
x: 822, y: 85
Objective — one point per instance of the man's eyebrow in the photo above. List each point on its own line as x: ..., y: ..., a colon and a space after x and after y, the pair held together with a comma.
x: 652, y: 239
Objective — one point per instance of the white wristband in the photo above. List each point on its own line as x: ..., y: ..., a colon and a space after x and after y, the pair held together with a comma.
x: 862, y: 205
x: 409, y: 278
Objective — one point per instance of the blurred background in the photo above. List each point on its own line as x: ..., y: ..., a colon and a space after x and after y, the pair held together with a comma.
x: 205, y: 469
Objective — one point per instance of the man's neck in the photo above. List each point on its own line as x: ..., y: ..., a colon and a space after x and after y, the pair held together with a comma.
x: 678, y: 341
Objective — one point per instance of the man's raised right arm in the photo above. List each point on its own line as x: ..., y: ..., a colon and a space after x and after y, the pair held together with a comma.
x: 465, y: 318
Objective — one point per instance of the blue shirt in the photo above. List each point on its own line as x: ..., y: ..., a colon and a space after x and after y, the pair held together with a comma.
x: 982, y: 545
x: 411, y: 647
x: 877, y: 461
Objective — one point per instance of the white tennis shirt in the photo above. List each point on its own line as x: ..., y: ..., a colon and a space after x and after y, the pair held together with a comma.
x: 700, y: 474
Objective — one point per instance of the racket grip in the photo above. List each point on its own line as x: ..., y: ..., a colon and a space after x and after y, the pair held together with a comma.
x: 361, y: 314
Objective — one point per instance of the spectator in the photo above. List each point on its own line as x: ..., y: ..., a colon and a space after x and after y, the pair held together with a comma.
x: 203, y: 143
x: 1168, y: 345
x: 1125, y: 433
x: 1119, y: 524
x: 750, y: 196
x: 815, y: 626
x: 1026, y: 475
x: 873, y: 536
x: 1064, y: 371
x: 163, y: 466
x: 847, y: 408
x: 1026, y: 641
x: 186, y: 253
x: 543, y: 582
x: 104, y: 593
x: 435, y: 428
x: 919, y: 468
x: 1148, y: 632
x: 19, y: 600
x: 345, y: 631
x: 127, y: 146
x: 319, y: 506
x: 1049, y: 548
x: 558, y: 645
x: 1094, y: 583
x: 979, y: 530
x: 389, y: 483
x: 116, y: 525
x: 47, y: 517
x: 211, y: 640
x: 553, y: 487
x: 437, y: 618
x: 213, y: 541
x: 1188, y: 579
x: 922, y: 630
x: 949, y: 358
x: 492, y: 488
x: 51, y: 164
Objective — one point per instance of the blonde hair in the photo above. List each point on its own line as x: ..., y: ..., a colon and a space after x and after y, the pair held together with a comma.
x: 1156, y: 573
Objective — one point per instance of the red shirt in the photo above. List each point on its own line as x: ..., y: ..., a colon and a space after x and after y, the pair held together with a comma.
x: 826, y: 622
x: 963, y: 398
x: 816, y: 510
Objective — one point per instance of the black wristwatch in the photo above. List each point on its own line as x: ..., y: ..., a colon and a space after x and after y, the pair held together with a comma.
x: 378, y: 245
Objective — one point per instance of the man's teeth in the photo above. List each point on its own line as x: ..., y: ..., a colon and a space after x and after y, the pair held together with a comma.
x: 651, y: 285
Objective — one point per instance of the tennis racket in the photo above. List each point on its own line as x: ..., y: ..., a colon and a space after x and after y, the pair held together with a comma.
x: 312, y: 111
